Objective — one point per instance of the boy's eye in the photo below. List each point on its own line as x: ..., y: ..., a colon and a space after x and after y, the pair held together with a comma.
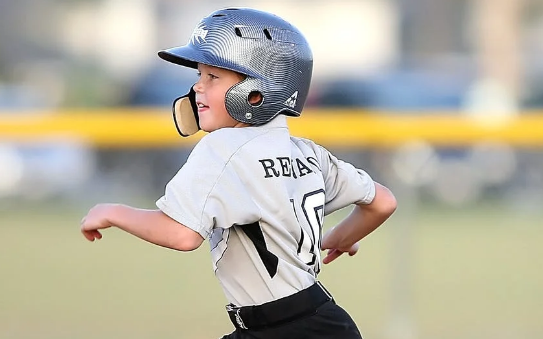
x: 209, y: 75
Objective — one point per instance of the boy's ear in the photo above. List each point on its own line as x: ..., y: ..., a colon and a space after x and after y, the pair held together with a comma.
x: 185, y: 114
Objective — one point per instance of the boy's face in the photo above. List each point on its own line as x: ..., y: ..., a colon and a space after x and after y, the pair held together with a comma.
x: 211, y: 91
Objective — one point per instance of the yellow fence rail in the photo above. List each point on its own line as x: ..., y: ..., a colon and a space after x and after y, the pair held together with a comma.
x: 352, y: 128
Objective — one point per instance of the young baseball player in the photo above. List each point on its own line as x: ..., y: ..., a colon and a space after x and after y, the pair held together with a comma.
x: 258, y: 194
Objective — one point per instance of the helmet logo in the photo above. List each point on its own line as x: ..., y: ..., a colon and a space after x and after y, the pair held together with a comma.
x: 199, y: 34
x: 291, y: 102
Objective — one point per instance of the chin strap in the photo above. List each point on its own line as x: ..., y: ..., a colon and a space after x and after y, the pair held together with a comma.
x: 185, y: 114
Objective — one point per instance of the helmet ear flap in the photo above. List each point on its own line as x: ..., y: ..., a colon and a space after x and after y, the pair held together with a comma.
x: 185, y: 114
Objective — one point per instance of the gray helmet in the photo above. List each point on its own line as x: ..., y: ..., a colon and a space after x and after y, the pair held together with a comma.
x: 273, y: 54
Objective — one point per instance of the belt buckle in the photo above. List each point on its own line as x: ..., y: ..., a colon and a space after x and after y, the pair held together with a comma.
x: 230, y: 308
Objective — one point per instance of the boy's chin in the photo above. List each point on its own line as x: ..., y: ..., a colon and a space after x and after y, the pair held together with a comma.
x: 207, y: 128
x: 213, y: 126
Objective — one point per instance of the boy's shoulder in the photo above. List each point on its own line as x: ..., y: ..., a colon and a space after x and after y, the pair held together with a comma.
x: 307, y: 143
x: 302, y: 140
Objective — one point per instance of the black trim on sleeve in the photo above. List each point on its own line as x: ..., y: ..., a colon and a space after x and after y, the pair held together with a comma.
x: 254, y: 232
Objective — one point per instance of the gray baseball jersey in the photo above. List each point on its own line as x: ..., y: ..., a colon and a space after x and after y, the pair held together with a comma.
x: 260, y: 195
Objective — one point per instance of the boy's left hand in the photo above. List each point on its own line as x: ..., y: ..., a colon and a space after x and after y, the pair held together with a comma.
x: 97, y: 218
x: 334, y: 253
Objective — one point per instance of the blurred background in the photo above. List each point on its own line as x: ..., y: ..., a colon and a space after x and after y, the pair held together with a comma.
x: 441, y: 100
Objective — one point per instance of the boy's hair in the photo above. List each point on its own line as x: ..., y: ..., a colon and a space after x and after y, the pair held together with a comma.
x: 271, y: 52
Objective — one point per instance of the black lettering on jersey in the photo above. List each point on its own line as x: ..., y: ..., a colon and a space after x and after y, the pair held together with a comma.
x: 269, y: 165
x: 270, y: 260
x: 313, y: 162
x: 302, y: 168
x: 286, y: 166
x: 292, y: 169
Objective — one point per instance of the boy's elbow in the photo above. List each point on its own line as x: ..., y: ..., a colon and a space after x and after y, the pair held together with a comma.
x: 177, y: 236
x: 389, y: 207
x: 385, y: 201
x: 188, y: 240
x: 187, y: 245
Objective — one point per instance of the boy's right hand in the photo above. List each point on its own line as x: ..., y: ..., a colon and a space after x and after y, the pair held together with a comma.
x: 97, y: 218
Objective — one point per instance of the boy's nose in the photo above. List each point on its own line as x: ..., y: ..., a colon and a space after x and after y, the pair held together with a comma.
x: 197, y: 87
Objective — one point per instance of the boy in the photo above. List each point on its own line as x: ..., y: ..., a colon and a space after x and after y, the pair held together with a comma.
x: 256, y: 193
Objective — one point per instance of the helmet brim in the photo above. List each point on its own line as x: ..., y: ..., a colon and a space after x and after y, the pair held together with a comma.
x: 190, y: 57
x: 184, y: 56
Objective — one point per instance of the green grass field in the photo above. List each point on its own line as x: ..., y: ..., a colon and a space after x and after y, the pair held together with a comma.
x: 434, y: 273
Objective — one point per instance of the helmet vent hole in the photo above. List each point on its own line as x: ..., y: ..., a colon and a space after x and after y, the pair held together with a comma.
x: 267, y: 34
x: 218, y: 15
x: 255, y: 98
x: 238, y: 32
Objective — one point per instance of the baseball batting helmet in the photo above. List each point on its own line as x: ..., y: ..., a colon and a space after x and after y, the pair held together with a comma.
x: 273, y: 55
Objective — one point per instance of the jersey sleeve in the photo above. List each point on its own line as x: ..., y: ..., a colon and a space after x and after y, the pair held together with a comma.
x: 207, y: 193
x: 344, y: 183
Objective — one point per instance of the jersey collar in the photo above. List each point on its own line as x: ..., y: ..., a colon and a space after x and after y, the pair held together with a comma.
x: 279, y: 121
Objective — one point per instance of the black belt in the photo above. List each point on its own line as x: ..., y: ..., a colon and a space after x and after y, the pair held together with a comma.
x: 279, y: 311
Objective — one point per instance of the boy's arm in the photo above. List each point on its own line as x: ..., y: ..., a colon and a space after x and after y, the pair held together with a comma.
x: 150, y: 225
x: 363, y: 220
